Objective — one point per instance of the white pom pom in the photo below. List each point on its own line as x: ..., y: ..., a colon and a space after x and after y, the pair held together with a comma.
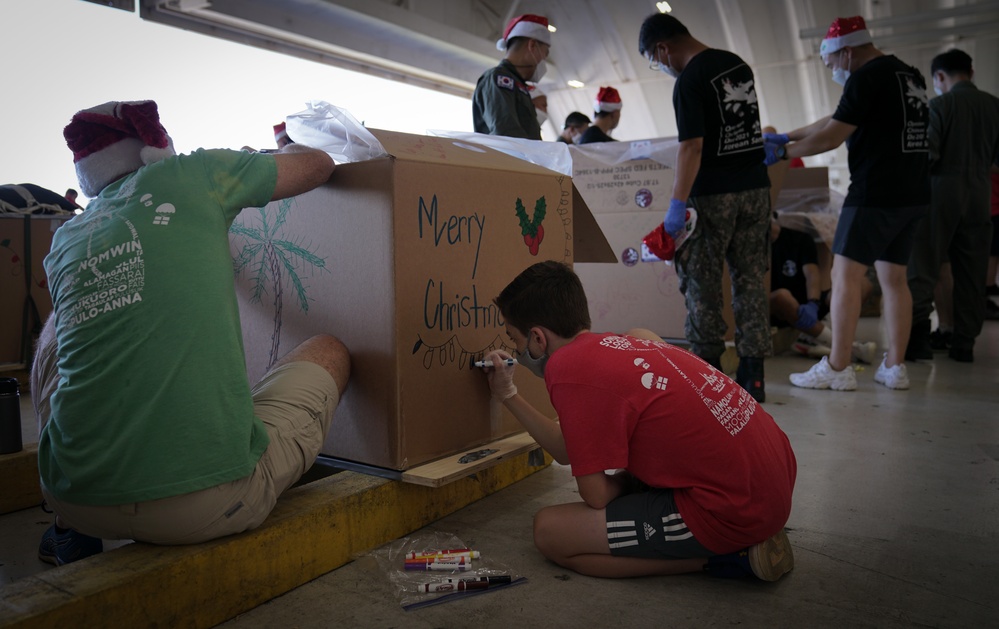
x: 151, y: 154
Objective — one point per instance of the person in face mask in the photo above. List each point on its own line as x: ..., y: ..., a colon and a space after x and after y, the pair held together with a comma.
x: 720, y: 172
x: 501, y: 103
x: 705, y: 475
x: 964, y: 146
x: 574, y: 127
x: 883, y: 116
x: 606, y: 114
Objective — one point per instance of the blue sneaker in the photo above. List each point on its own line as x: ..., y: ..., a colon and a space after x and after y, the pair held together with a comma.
x: 62, y: 548
x: 768, y: 561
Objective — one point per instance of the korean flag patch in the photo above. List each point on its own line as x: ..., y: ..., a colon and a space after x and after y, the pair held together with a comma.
x: 504, y: 81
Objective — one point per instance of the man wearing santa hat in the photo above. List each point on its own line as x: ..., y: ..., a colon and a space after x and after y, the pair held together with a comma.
x: 606, y: 116
x: 149, y: 429
x: 501, y: 104
x: 883, y: 118
x: 719, y: 172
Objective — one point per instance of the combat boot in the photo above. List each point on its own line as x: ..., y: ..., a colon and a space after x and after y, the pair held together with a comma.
x: 750, y: 377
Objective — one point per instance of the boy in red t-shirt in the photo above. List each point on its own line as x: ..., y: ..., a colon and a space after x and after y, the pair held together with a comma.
x: 703, y: 475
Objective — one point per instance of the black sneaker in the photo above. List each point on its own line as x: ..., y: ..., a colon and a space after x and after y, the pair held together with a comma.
x: 940, y: 340
x: 919, y: 347
x: 961, y: 354
x: 991, y: 310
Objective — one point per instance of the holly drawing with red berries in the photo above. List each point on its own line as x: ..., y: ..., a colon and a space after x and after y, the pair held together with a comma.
x: 531, y: 228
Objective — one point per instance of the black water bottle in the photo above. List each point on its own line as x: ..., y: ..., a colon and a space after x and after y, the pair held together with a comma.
x: 10, y: 416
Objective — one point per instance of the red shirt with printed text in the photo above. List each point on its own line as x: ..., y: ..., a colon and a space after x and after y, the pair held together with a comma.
x: 673, y: 421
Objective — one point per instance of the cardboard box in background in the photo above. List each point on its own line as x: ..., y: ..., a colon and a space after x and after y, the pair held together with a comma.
x: 628, y: 186
x: 16, y: 334
x: 628, y: 193
x: 400, y: 258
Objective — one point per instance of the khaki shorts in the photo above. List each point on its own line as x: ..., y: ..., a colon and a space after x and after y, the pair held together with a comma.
x: 295, y: 401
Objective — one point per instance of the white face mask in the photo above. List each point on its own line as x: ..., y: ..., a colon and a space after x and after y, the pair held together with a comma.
x: 576, y: 138
x: 534, y: 365
x: 539, y: 71
x: 542, y: 116
x: 938, y: 90
x: 667, y: 68
x: 839, y: 73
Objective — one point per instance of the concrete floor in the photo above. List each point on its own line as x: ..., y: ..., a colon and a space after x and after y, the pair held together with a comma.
x: 895, y: 524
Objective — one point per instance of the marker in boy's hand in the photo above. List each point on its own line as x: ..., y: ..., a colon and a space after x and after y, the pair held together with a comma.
x: 500, y: 373
x: 488, y: 363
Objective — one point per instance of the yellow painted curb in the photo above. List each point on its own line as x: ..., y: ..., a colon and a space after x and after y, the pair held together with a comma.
x: 314, y: 529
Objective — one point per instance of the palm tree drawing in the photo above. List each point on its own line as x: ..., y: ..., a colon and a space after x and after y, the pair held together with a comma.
x: 273, y: 262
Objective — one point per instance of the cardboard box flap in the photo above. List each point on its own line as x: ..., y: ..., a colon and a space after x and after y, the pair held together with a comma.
x: 452, y: 152
x: 588, y: 240
x: 813, y: 177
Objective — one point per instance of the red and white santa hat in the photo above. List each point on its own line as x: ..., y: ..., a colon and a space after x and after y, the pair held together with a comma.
x: 845, y: 31
x: 527, y: 25
x: 114, y: 139
x: 607, y: 100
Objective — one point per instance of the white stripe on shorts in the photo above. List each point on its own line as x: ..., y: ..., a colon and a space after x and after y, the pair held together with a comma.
x: 622, y: 534
x: 674, y: 528
x: 626, y: 533
x: 633, y: 542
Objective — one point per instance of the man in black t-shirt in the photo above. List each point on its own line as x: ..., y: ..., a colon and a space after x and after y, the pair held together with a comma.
x: 720, y: 172
x: 575, y: 126
x: 882, y: 116
x: 606, y: 117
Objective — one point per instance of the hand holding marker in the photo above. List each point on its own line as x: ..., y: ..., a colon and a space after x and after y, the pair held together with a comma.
x: 509, y: 362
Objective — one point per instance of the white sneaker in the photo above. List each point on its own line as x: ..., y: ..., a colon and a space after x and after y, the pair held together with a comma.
x: 865, y: 352
x: 823, y: 376
x: 808, y: 346
x: 896, y: 377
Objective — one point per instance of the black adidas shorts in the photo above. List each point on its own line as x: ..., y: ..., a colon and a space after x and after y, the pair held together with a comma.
x: 648, y: 524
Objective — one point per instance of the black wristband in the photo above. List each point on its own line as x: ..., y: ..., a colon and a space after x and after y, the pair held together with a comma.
x: 782, y: 152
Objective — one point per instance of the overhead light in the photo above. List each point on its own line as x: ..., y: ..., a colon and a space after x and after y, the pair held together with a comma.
x: 664, y: 7
x: 576, y: 84
x: 551, y: 28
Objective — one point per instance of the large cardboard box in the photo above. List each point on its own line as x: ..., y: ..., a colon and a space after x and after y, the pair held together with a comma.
x: 400, y: 257
x: 26, y: 302
x: 628, y: 186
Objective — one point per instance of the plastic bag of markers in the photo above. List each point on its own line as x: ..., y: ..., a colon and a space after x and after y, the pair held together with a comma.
x: 392, y: 561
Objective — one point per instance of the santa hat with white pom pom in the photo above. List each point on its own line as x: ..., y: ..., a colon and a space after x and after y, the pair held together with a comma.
x: 114, y: 139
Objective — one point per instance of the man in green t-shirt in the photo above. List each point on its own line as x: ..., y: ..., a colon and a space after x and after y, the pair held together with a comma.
x: 149, y: 429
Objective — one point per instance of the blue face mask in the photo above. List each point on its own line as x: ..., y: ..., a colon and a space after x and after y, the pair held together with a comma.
x: 534, y: 365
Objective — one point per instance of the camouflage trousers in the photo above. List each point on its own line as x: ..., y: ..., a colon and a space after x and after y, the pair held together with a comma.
x: 733, y: 228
